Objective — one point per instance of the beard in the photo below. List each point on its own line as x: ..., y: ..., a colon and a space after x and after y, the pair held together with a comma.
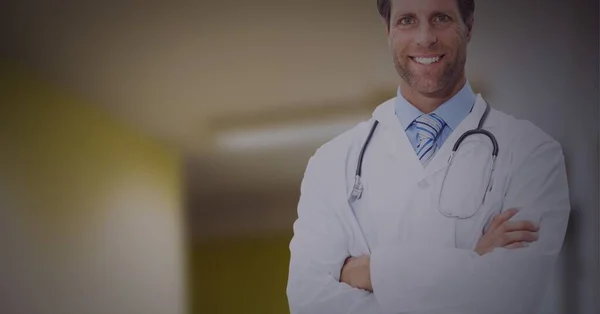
x: 437, y: 84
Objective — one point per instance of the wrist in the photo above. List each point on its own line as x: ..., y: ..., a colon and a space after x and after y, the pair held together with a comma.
x: 367, y: 270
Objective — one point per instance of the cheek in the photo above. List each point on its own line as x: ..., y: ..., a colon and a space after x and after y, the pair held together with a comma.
x: 398, y: 42
x: 399, y: 48
x: 456, y: 38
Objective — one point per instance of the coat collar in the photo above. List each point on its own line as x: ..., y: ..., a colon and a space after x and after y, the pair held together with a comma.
x: 452, y: 111
x: 400, y: 144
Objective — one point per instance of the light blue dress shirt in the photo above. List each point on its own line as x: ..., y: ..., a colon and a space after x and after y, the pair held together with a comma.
x: 452, y: 112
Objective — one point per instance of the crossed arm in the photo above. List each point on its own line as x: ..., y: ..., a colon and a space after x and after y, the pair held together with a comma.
x: 411, y: 278
x: 502, y: 233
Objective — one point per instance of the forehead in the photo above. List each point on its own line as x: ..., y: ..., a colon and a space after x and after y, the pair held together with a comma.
x: 423, y: 6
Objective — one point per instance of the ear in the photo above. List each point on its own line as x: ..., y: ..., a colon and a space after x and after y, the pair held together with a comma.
x: 469, y: 25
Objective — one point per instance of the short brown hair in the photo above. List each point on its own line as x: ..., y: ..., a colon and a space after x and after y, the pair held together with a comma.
x: 466, y: 8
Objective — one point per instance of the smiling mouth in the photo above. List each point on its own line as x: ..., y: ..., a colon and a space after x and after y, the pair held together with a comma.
x: 427, y: 60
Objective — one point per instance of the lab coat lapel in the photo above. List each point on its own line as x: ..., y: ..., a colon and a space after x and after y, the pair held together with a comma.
x: 440, y: 159
x: 400, y: 148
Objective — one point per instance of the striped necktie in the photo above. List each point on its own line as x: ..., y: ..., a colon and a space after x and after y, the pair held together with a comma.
x: 428, y: 129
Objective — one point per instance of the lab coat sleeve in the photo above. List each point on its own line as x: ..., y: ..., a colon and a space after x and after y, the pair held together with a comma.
x: 413, y: 277
x: 318, y: 250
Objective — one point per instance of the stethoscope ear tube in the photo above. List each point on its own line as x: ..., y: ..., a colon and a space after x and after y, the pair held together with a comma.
x: 364, y: 148
x: 483, y: 116
x: 357, y: 188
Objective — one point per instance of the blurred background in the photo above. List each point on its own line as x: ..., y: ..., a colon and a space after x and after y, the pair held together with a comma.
x: 151, y: 152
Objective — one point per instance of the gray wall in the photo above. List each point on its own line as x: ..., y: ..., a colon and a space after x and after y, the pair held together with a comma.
x: 538, y: 60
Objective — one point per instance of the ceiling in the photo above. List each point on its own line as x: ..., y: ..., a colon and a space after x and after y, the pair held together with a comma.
x: 195, y: 73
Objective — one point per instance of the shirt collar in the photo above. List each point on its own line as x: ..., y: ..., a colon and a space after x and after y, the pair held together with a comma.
x: 452, y: 111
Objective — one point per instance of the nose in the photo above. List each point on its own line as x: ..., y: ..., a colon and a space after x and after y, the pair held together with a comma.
x: 426, y: 36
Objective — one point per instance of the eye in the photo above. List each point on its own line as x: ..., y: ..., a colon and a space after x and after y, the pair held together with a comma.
x: 405, y: 21
x: 442, y: 18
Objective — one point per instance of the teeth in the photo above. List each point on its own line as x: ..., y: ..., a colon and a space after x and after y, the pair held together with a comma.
x: 427, y: 60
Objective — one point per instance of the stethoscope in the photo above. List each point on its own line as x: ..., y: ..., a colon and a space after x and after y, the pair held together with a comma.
x: 358, y: 187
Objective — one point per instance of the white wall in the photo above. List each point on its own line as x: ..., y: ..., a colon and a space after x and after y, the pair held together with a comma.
x: 538, y: 60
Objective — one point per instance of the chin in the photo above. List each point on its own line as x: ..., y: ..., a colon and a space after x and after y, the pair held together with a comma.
x: 428, y: 86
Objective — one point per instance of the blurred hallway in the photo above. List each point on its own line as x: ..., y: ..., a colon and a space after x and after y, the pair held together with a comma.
x: 153, y: 152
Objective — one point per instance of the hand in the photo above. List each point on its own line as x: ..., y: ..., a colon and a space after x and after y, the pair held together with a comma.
x: 357, y: 272
x: 507, y: 234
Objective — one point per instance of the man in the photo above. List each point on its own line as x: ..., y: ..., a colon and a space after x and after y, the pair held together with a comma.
x: 505, y: 271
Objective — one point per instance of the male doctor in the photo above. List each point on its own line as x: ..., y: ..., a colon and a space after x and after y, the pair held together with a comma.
x: 393, y: 250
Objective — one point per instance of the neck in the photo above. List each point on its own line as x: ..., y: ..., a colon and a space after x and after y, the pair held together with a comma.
x: 428, y: 103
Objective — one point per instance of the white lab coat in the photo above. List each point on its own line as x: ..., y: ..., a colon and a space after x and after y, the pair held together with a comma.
x: 422, y: 261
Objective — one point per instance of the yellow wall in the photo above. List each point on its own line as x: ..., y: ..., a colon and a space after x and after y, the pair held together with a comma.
x: 90, y: 210
x: 240, y: 275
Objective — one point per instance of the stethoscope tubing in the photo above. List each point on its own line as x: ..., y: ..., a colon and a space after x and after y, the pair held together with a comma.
x: 357, y: 188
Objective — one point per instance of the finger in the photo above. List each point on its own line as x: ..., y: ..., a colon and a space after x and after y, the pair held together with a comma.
x: 520, y: 225
x: 502, y: 217
x: 517, y: 236
x: 516, y: 245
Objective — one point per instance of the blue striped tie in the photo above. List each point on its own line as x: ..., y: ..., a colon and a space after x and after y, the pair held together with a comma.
x: 428, y: 128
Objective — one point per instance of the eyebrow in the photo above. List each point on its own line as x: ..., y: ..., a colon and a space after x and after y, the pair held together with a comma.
x: 401, y: 15
x: 440, y: 13
x: 413, y: 15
